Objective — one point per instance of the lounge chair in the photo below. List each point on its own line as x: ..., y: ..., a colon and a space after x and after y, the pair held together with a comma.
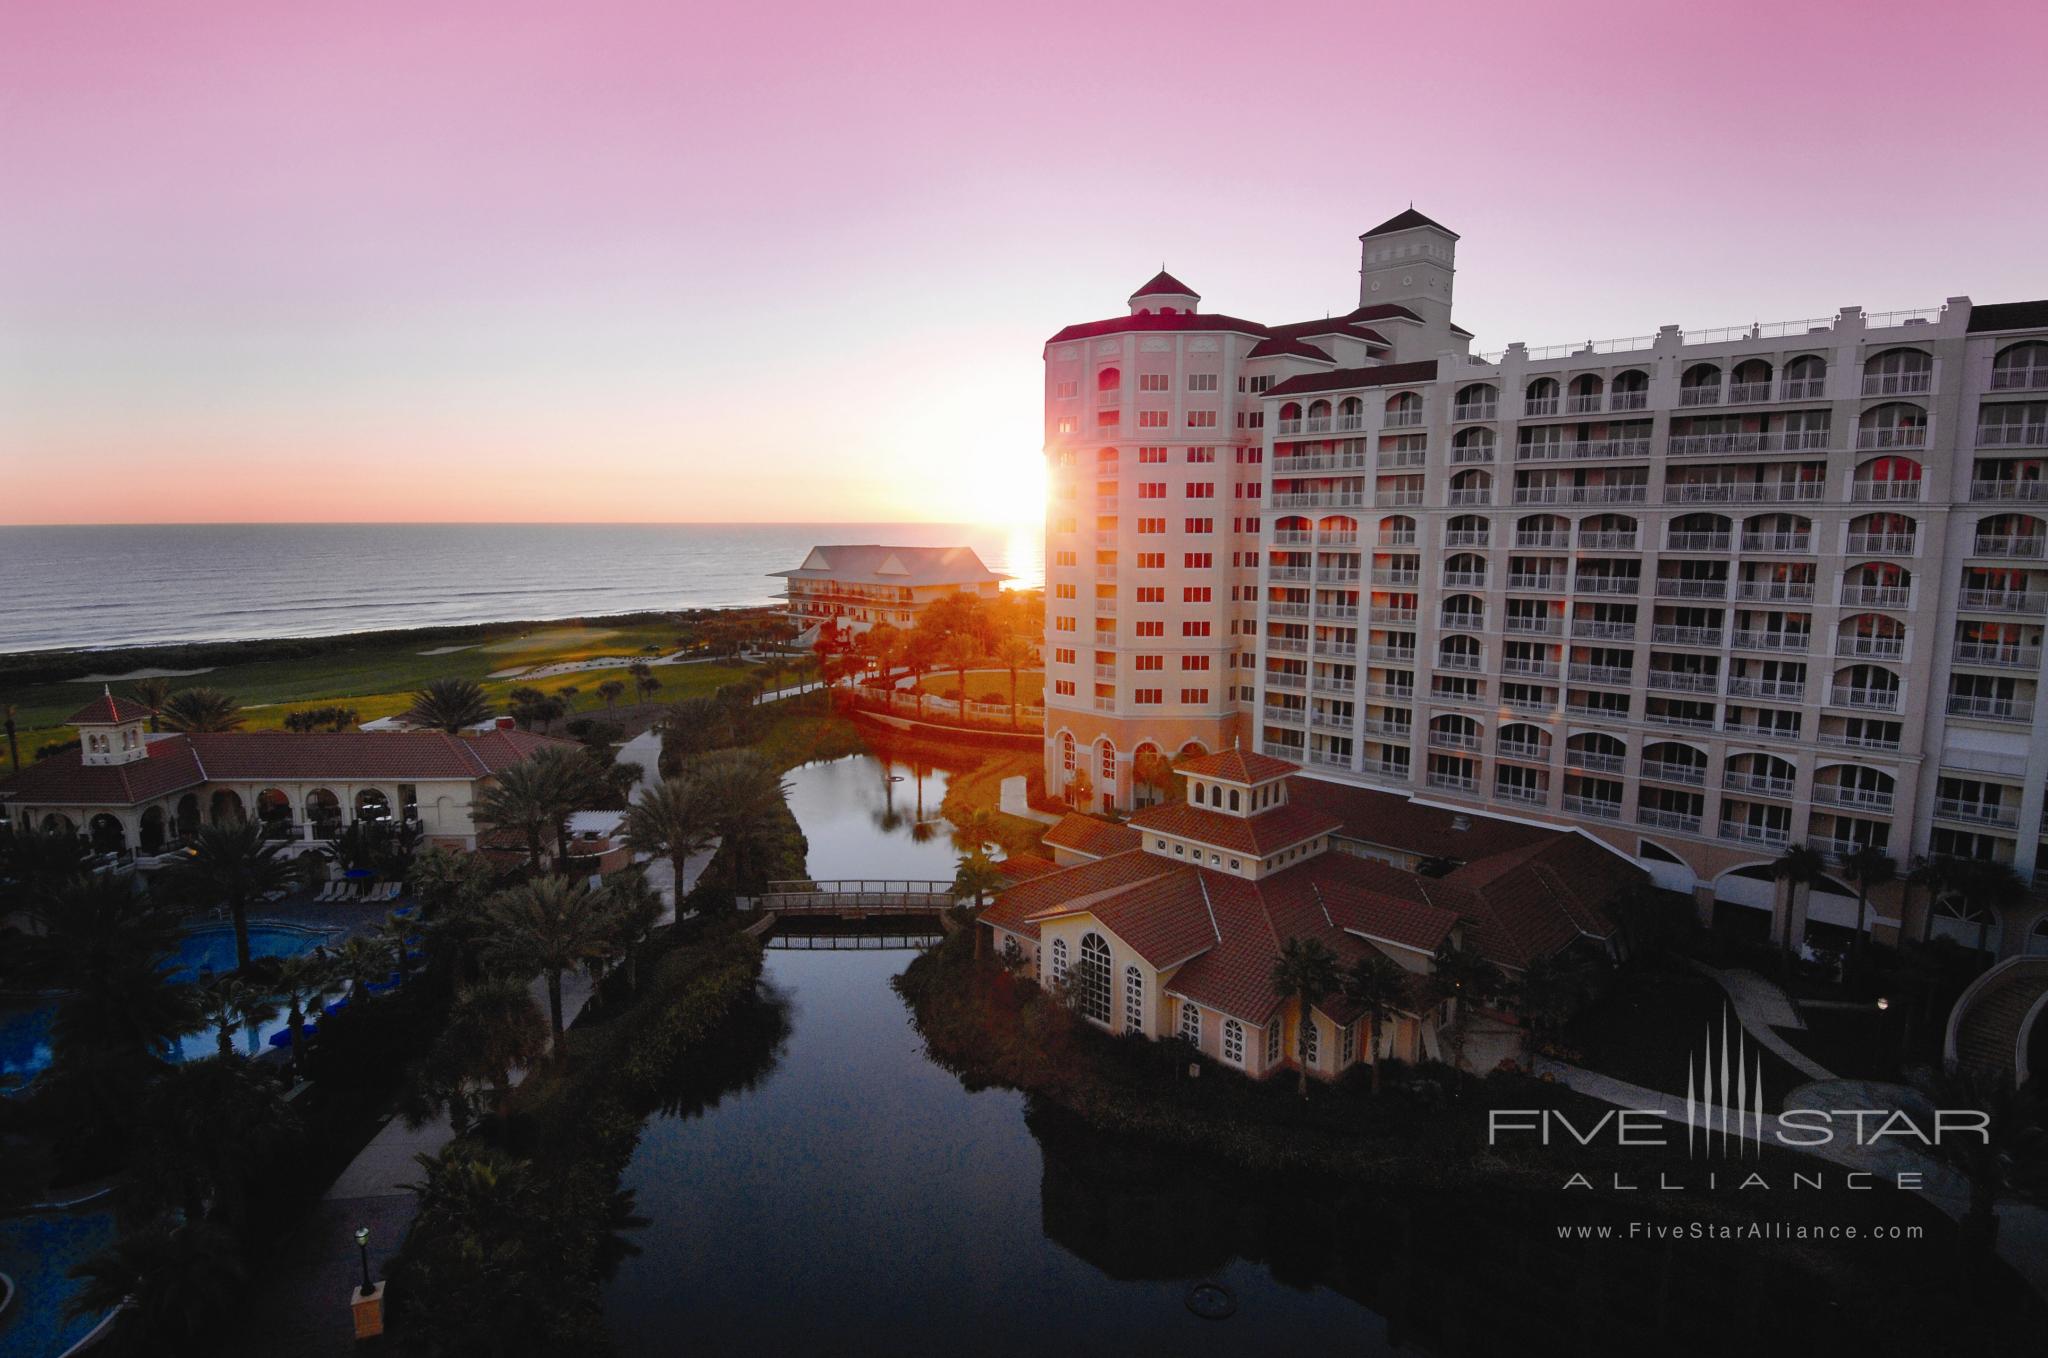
x: 326, y: 893
x: 396, y: 890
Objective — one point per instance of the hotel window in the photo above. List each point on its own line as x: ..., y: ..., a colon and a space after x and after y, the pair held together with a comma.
x: 1148, y: 697
x: 1151, y: 594
x: 1191, y: 1023
x: 1065, y: 525
x: 1347, y: 1046
x: 1273, y: 1042
x: 1201, y: 381
x: 1062, y: 624
x: 1194, y: 662
x: 1062, y: 591
x: 1201, y: 419
x: 1108, y: 763
x: 1150, y: 662
x: 1249, y: 490
x: 1065, y: 389
x: 1194, y: 629
x: 1151, y: 455
x: 1063, y: 688
x: 1069, y: 425
x: 1152, y: 381
x: 1198, y: 526
x: 1151, y: 490
x: 1151, y: 561
x: 1107, y: 419
x: 1059, y: 961
x: 1200, y: 561
x: 1151, y: 419
x: 1195, y: 594
x: 1233, y: 1042
x: 1063, y: 559
x: 1063, y: 655
x: 1194, y: 696
x: 1134, y: 998
x: 1201, y: 454
x: 1309, y: 1035
x: 1151, y: 525
x: 1255, y: 420
x: 1201, y: 490
x: 1261, y: 383
x: 1095, y: 979
x: 1151, y: 629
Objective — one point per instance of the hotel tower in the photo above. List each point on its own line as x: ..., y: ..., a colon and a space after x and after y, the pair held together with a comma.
x: 1704, y: 594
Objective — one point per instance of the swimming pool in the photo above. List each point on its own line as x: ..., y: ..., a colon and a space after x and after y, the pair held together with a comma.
x: 38, y: 1252
x: 25, y: 1029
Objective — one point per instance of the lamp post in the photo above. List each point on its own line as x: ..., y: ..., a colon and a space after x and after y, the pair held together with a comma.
x: 363, y: 1244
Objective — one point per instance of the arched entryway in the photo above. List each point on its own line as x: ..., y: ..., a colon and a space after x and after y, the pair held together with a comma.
x: 107, y: 833
x: 274, y: 810
x: 323, y: 813
x: 57, y: 823
x: 226, y: 808
x: 152, y: 836
x: 372, y: 804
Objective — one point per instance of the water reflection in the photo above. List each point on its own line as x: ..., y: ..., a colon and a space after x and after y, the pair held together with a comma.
x: 871, y: 816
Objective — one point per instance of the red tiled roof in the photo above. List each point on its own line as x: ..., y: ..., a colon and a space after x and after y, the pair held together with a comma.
x: 1238, y: 766
x: 1382, y: 311
x: 1154, y: 320
x: 106, y: 710
x: 1392, y: 821
x: 1019, y: 866
x: 1343, y: 379
x: 1254, y: 836
x: 1167, y: 919
x: 182, y: 761
x: 1329, y: 325
x: 1532, y: 901
x: 1092, y: 836
x: 1016, y: 908
x: 1402, y: 221
x: 1165, y: 284
x: 1276, y: 346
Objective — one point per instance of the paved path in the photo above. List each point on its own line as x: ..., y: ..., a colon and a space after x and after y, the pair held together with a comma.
x: 1762, y: 1006
x: 2022, y: 1229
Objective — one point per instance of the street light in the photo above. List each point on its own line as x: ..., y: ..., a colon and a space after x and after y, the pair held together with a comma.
x: 363, y: 1244
x: 1883, y: 1002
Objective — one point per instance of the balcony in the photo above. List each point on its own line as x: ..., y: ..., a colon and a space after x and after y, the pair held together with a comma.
x: 2009, y: 489
x: 1292, y: 713
x: 1908, y: 436
x: 1453, y: 740
x: 1697, y: 542
x: 1331, y: 758
x: 1775, y: 591
x: 1992, y: 655
x: 1628, y: 400
x: 1582, y: 405
x: 1596, y: 808
x: 2019, y: 379
x: 1739, y: 445
x: 1516, y: 792
x: 1323, y: 683
x: 1272, y: 573
x: 1867, y: 699
x: 1465, y: 453
x: 1851, y: 646
x: 1319, y: 499
x: 1406, y: 539
x: 1544, y: 539
x: 1392, y: 617
x: 1603, y: 542
x: 1671, y: 771
x: 1452, y: 782
x: 1613, y: 676
x: 1609, y: 584
x: 1396, y: 579
x: 1298, y: 463
x: 1337, y: 612
x: 1856, y: 798
x: 1977, y: 708
x: 1519, y: 668
x: 1683, y: 681
x: 1348, y: 424
x: 1400, y: 499
x: 1337, y: 538
x: 1274, y: 678
x: 1781, y: 544
x: 1741, y: 832
x: 1105, y: 702
x: 1543, y: 584
x: 1465, y: 537
x: 1105, y: 572
x: 1699, y: 396
x: 1463, y: 622
x: 1668, y: 588
x: 2021, y: 546
x: 1748, y: 393
x: 1884, y: 492
x: 1681, y: 720
x: 1567, y: 450
x: 1685, y: 822
x: 2001, y: 601
x: 1898, y: 384
x: 1538, y: 405
x: 1286, y: 610
x: 1280, y: 749
x: 1392, y: 458
x: 1528, y: 751
x: 1325, y: 646
x: 1977, y: 813
x: 1468, y: 496
x: 1106, y: 672
x: 1755, y: 492
x: 1476, y: 410
x: 1105, y: 607
x: 1842, y: 740
x: 1773, y: 641
x: 1767, y: 690
x: 1882, y: 544
x: 1840, y: 849
x: 2012, y: 435
x: 1763, y: 784
x: 1582, y: 495
x: 1464, y: 579
x: 1534, y: 627
x: 1292, y: 537
x: 1336, y: 575
x: 1388, y: 731
x: 1593, y: 762
x: 1287, y: 645
x: 1802, y: 388
x: 1664, y: 634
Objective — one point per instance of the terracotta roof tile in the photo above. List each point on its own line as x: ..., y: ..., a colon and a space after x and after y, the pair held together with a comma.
x: 107, y: 709
x: 1403, y: 221
x: 1257, y: 836
x: 1238, y: 766
x: 1164, y: 284
x: 1345, y: 379
x: 1091, y: 835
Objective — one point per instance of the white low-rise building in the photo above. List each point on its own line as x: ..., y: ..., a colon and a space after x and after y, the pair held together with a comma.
x: 848, y: 588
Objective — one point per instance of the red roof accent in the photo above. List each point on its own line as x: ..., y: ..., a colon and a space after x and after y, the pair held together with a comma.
x: 1090, y: 835
x: 1164, y: 284
x: 67, y: 780
x: 1277, y: 347
x: 1019, y: 866
x: 1016, y: 908
x: 1329, y: 325
x: 1238, y: 766
x: 1251, y: 836
x: 107, y: 710
x: 1342, y: 379
x: 1155, y: 320
x: 1392, y: 821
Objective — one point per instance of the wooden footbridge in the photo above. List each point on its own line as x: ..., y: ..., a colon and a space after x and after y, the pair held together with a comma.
x: 852, y: 898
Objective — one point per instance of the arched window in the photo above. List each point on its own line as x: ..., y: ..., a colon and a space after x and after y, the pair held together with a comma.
x: 1109, y: 379
x: 1312, y: 1039
x: 1108, y: 765
x: 1059, y: 961
x: 1233, y: 1042
x: 2023, y: 367
x: 1191, y: 1023
x: 1067, y: 751
x: 1541, y: 397
x: 1273, y: 1041
x: 1134, y: 999
x: 1896, y: 424
x: 1805, y: 377
x: 1404, y: 409
x: 1897, y: 372
x: 1094, y: 978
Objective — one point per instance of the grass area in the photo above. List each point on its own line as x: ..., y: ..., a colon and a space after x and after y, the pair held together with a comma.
x: 376, y: 675
x: 1652, y: 1020
x: 993, y: 684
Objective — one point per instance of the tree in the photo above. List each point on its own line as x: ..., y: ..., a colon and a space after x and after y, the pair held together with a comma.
x: 959, y: 653
x: 1992, y: 888
x: 610, y: 691
x: 1012, y: 653
x: 1463, y: 977
x: 195, y: 710
x: 975, y: 877
x: 102, y: 944
x: 1155, y: 770
x: 632, y: 909
x: 2009, y: 1152
x: 301, y: 982
x: 1305, y: 971
x: 230, y: 1002
x: 1868, y: 867
x: 1552, y: 989
x: 694, y: 725
x: 152, y: 693
x: 1379, y: 985
x: 644, y: 682
x: 173, y: 1283
x: 534, y: 798
x: 547, y: 926
x: 1797, y: 867
x: 451, y: 705
x: 976, y: 830
x: 743, y: 797
x: 671, y: 820
x: 232, y: 864
x: 359, y: 960
x: 1931, y: 875
x: 493, y: 1029
x: 211, y: 1131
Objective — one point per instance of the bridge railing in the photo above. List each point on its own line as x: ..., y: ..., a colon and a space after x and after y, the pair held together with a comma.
x: 882, y: 893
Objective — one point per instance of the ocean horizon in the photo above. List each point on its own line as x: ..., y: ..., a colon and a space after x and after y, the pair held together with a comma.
x: 75, y: 587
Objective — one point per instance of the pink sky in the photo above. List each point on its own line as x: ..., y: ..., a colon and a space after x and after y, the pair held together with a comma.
x: 613, y: 261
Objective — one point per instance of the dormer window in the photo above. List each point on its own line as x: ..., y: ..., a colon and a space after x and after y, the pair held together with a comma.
x: 1233, y: 800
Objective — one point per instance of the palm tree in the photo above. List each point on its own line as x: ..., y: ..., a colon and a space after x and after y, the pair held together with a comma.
x: 975, y: 877
x: 1552, y: 989
x: 1306, y: 971
x: 234, y: 865
x: 195, y: 710
x: 644, y: 681
x: 151, y: 693
x: 231, y: 1002
x: 534, y: 798
x: 1377, y: 984
x: 1932, y: 875
x: 670, y: 819
x: 301, y: 981
x: 173, y: 1284
x: 1014, y: 653
x: 743, y: 797
x: 1464, y: 977
x: 493, y: 1029
x: 960, y: 653
x: 359, y: 960
x: 210, y: 1131
x: 1992, y: 887
x: 102, y: 944
x: 451, y: 705
x: 611, y: 690
x: 1796, y: 867
x: 976, y: 830
x: 1868, y: 867
x: 548, y: 925
x: 632, y: 909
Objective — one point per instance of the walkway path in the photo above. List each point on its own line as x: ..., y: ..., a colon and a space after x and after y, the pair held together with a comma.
x: 1762, y: 1005
x: 2023, y: 1228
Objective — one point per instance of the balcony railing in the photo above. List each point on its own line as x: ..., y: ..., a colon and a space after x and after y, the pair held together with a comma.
x: 1691, y: 589
x: 1391, y: 579
x: 1763, y: 784
x: 1406, y: 539
x: 1979, y: 708
x: 1697, y: 542
x: 1856, y: 798
x: 1516, y: 792
x: 1453, y: 740
x: 1875, y: 699
x: 2012, y: 435
x: 1869, y: 492
x: 2019, y: 379
x: 1775, y: 591
x: 1403, y: 419
x: 1546, y: 584
x: 1850, y: 646
x: 1528, y: 751
x: 1682, y: 681
x: 1609, y: 584
x: 1802, y: 388
x: 1464, y: 579
x: 2001, y: 601
x: 1773, y: 641
x: 1699, y: 396
x: 1874, y: 596
x: 1393, y: 655
x: 2008, y: 489
x: 1452, y: 782
x: 1846, y: 741
x: 1534, y: 627
x: 1671, y: 771
x: 1599, y: 808
x: 1628, y: 400
x: 1582, y: 495
x: 1539, y: 405
x: 1550, y: 538
x: 1465, y: 537
x: 1767, y: 690
x: 1751, y: 492
x: 1568, y: 449
x: 1741, y: 832
x: 1611, y: 675
x: 2024, y: 546
x: 1993, y: 655
x: 1898, y: 384
x: 1685, y: 822
x: 1977, y: 813
x: 1393, y: 616
x: 1883, y: 544
x: 1907, y: 436
x: 1466, y: 622
x: 1664, y: 634
x: 1743, y: 393
x: 1598, y: 629
x: 1521, y: 668
x: 1782, y: 441
x: 1476, y: 410
x: 1600, y: 541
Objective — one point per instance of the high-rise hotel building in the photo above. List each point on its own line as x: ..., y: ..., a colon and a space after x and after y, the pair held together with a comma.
x: 1703, y: 594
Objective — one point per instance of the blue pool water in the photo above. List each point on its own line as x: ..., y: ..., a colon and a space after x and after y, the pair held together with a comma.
x: 38, y: 1252
x: 25, y: 1031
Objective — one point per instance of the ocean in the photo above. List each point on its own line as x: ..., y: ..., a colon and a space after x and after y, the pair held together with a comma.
x: 64, y: 588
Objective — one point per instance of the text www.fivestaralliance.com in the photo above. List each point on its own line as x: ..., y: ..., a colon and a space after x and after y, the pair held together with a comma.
x: 1753, y: 1230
